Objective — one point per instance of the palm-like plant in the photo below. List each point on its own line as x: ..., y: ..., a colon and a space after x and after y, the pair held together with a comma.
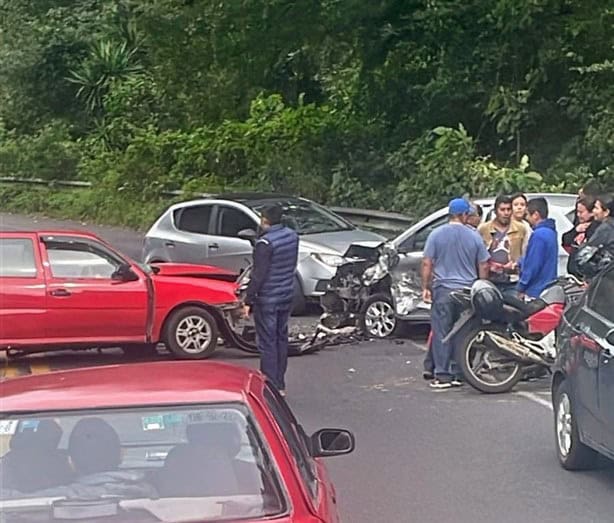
x: 107, y: 61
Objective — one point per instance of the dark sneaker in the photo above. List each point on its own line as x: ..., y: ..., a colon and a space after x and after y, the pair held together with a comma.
x: 428, y: 375
x: 441, y: 383
x: 457, y: 382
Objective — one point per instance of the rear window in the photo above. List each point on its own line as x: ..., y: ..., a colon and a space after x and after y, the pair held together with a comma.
x: 202, y: 463
x: 17, y: 258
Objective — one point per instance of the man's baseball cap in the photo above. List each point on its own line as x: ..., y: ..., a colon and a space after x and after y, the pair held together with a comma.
x: 459, y: 206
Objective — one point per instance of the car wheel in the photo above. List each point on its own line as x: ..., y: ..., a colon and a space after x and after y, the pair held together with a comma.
x: 572, y: 453
x: 377, y: 317
x: 191, y: 333
x: 299, y: 302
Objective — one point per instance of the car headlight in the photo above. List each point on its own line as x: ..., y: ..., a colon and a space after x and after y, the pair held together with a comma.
x: 332, y: 260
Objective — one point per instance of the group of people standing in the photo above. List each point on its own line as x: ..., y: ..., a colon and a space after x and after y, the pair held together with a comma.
x: 593, y: 224
x: 517, y: 250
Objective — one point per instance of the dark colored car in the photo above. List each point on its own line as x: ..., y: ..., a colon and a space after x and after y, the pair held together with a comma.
x: 583, y: 379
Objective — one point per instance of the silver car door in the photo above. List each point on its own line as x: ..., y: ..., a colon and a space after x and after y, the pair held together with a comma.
x: 226, y: 249
x: 191, y: 242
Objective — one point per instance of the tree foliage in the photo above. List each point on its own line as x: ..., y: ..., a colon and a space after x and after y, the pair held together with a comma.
x: 395, y: 104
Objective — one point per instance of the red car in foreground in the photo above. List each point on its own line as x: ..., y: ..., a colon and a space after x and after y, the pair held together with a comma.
x: 65, y: 289
x: 163, y: 441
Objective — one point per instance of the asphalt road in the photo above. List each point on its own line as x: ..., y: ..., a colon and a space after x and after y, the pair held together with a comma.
x: 422, y: 455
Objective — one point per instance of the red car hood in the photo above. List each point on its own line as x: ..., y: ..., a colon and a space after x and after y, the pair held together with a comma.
x: 190, y: 270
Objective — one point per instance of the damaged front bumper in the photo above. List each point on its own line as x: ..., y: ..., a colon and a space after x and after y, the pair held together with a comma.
x: 380, y: 269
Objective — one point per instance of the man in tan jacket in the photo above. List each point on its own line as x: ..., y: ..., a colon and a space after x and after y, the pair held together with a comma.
x: 505, y: 240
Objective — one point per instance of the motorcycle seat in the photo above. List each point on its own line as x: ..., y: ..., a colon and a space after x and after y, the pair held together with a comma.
x: 525, y: 309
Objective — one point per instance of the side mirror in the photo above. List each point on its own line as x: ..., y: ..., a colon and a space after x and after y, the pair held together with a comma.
x: 248, y: 234
x: 332, y: 442
x: 124, y: 273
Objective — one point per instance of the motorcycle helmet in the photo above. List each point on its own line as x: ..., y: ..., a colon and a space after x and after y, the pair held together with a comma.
x: 486, y: 300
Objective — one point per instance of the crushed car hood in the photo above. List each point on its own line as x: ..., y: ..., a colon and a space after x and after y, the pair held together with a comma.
x: 162, y: 270
x: 338, y: 242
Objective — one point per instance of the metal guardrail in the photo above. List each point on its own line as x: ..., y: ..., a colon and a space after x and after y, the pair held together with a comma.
x: 388, y: 224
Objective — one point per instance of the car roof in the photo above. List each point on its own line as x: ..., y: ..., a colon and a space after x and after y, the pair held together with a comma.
x: 245, y: 198
x: 555, y: 199
x: 143, y: 384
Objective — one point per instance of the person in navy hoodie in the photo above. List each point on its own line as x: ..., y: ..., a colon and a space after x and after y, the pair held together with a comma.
x: 539, y: 266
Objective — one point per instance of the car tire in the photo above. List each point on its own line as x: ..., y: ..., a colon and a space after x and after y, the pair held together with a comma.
x: 572, y: 453
x: 377, y: 317
x: 191, y: 333
x: 299, y: 302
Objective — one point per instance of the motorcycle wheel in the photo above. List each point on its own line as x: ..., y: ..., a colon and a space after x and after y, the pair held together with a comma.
x: 377, y: 317
x: 487, y: 370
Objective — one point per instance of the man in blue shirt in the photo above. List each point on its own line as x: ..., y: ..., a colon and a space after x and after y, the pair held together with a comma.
x: 539, y: 266
x: 454, y: 257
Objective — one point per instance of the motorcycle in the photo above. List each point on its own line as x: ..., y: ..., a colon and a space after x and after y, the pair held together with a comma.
x: 500, y: 338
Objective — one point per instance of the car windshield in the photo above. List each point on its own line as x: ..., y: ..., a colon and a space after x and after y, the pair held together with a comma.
x: 197, y: 463
x: 305, y: 217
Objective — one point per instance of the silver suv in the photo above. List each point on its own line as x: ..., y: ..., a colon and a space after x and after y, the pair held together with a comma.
x: 206, y: 231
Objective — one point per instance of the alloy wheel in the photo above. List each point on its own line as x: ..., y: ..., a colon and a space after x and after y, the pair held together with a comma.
x: 193, y: 334
x: 564, y: 425
x: 380, y: 320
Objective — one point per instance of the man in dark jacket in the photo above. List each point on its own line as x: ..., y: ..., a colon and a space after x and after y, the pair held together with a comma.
x: 539, y: 266
x: 271, y: 291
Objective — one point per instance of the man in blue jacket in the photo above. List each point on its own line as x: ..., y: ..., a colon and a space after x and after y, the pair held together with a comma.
x: 270, y: 293
x: 538, y: 267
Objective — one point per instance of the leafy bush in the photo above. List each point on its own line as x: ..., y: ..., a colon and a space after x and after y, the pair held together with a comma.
x: 50, y: 154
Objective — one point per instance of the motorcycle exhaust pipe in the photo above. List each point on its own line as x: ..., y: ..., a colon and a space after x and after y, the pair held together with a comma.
x: 512, y: 348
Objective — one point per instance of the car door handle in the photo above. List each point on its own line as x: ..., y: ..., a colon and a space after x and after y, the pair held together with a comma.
x: 214, y: 246
x: 61, y: 293
x: 170, y: 244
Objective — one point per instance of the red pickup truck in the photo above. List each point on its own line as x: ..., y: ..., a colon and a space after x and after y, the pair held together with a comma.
x: 72, y: 290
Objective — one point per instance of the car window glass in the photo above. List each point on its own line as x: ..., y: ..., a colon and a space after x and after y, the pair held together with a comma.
x: 17, y: 258
x: 194, y: 219
x: 295, y: 436
x: 232, y: 221
x: 80, y: 260
x: 418, y: 240
x: 195, y: 462
x: 304, y: 217
x: 602, y: 297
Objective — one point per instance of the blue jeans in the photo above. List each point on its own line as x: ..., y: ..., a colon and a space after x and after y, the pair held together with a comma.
x: 443, y: 314
x: 271, y: 321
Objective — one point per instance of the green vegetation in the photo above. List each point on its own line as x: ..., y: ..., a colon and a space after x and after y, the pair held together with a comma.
x: 389, y: 104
